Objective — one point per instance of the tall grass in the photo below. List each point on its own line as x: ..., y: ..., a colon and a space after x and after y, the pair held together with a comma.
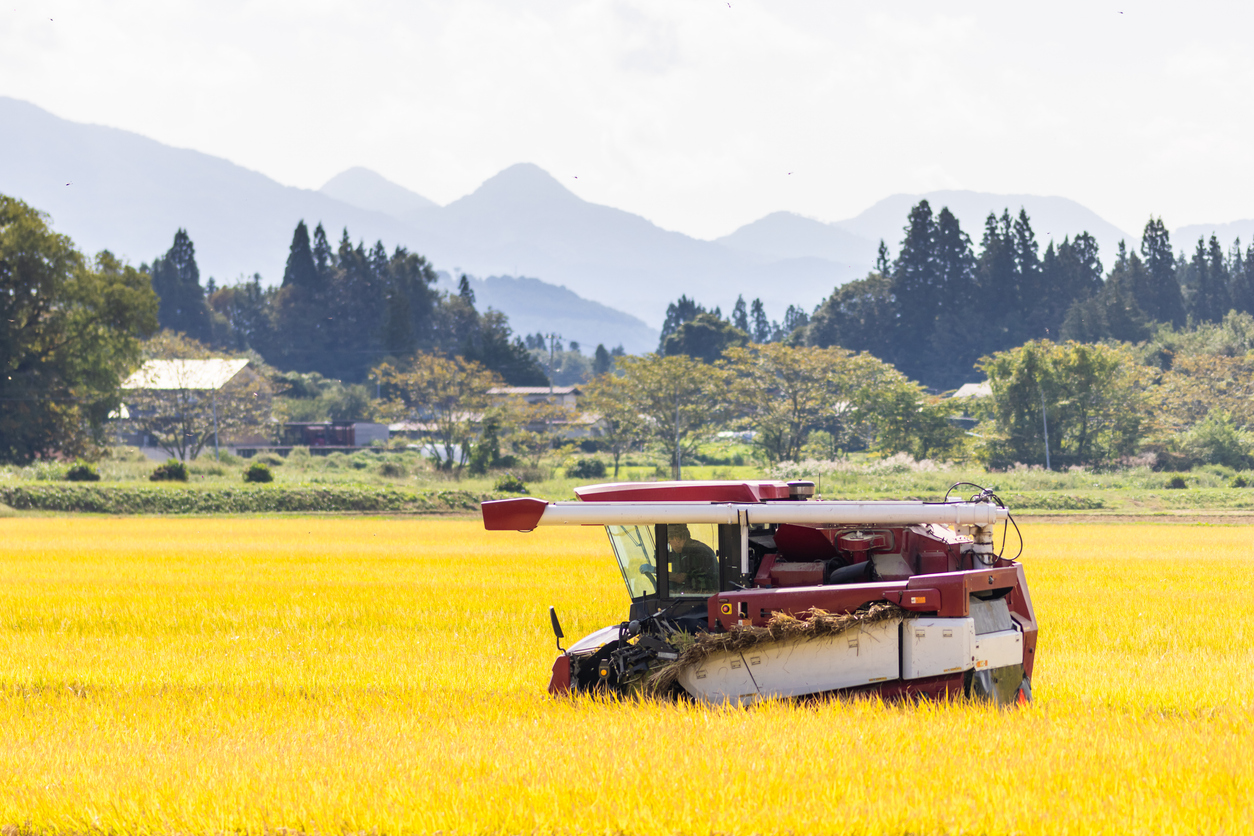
x: 363, y: 675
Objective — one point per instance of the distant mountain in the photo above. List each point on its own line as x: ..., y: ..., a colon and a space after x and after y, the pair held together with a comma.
x: 523, y: 220
x: 1185, y: 238
x: 1052, y: 217
x: 785, y: 235
x: 536, y: 307
x: 112, y: 189
x: 367, y: 190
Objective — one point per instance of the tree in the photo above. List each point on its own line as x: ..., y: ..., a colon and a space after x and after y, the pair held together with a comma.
x: 620, y: 427
x: 740, y: 314
x: 859, y: 316
x: 1094, y: 399
x: 705, y: 338
x: 677, y: 313
x: 176, y: 281
x: 762, y: 330
x: 1157, y: 293
x: 301, y: 270
x: 69, y: 331
x: 448, y: 394
x: 1208, y: 277
x: 602, y: 362
x: 183, y: 407
x: 679, y: 402
x: 1113, y: 313
x: 915, y: 287
x: 784, y: 394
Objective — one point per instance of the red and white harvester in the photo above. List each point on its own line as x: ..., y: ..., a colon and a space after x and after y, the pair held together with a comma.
x: 742, y: 591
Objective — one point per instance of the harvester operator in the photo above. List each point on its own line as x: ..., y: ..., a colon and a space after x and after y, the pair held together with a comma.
x: 693, y: 564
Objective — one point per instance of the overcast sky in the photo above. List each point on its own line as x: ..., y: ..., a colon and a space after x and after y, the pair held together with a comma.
x: 700, y: 115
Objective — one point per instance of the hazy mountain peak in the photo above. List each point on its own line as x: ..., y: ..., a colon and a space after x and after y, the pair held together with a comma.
x: 522, y: 182
x: 789, y: 235
x: 366, y: 189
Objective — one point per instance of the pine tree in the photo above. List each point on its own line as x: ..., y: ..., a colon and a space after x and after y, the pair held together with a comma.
x: 464, y: 290
x: 740, y: 315
x: 1032, y: 296
x: 321, y: 253
x: 1207, y: 302
x: 762, y: 330
x: 601, y: 361
x: 677, y: 313
x: 300, y: 270
x: 1159, y: 295
x: 176, y: 281
x: 1241, y: 278
x: 883, y: 265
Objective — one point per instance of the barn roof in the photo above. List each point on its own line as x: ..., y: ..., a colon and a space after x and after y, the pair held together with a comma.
x: 185, y: 374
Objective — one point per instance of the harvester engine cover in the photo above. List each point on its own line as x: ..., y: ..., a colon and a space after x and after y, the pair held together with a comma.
x: 743, y: 591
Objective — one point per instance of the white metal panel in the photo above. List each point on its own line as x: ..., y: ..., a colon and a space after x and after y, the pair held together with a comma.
x: 860, y: 656
x: 997, y: 650
x: 594, y: 641
x: 815, y: 513
x: 936, y: 646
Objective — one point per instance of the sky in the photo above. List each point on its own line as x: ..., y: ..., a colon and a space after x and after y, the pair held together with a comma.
x: 700, y: 115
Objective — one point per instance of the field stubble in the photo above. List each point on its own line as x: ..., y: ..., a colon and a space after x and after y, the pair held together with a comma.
x: 341, y: 675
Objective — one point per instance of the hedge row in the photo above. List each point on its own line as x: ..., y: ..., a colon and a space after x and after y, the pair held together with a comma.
x: 114, y: 499
x: 1050, y: 501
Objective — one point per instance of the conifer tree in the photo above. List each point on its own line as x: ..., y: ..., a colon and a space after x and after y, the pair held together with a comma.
x: 602, y: 362
x: 762, y: 330
x: 321, y: 253
x: 740, y: 315
x: 883, y: 265
x: 1241, y: 279
x: 1159, y: 295
x: 176, y: 281
x: 301, y: 270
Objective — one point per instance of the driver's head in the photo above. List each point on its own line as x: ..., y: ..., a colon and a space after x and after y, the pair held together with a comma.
x: 677, y: 536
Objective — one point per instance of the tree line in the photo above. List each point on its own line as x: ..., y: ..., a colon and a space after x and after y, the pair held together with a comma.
x: 940, y: 305
x: 339, y: 311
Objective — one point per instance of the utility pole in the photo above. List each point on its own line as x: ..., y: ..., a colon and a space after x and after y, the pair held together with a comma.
x: 553, y: 338
x: 215, y: 426
x: 679, y: 465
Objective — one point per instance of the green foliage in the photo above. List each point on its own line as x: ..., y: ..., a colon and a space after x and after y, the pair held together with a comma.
x: 176, y: 281
x: 258, y: 472
x: 115, y: 499
x: 586, y: 469
x: 1217, y: 440
x: 172, y: 471
x: 1094, y: 397
x: 1177, y: 482
x: 705, y: 337
x: 393, y: 469
x: 1239, y: 481
x: 509, y: 483
x: 82, y: 471
x: 69, y: 331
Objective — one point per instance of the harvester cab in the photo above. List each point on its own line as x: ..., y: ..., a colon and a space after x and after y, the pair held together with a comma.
x: 742, y: 591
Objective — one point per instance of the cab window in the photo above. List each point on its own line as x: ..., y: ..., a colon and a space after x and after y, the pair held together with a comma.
x: 692, y: 555
x: 634, y: 547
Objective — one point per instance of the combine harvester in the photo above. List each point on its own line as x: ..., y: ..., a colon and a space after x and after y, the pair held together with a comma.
x: 742, y: 591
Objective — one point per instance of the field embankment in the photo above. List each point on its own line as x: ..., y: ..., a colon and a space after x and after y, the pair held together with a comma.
x: 68, y: 497
x: 387, y: 675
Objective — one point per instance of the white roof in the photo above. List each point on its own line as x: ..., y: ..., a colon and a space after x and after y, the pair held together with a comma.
x: 533, y: 390
x: 974, y: 390
x: 185, y: 374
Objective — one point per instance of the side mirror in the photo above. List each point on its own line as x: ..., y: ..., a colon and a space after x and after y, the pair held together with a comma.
x: 557, y: 628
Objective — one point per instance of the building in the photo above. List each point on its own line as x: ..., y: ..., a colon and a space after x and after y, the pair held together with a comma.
x: 322, y: 437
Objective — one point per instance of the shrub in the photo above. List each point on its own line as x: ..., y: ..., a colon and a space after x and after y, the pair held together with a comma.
x: 258, y: 472
x: 509, y: 483
x: 1177, y: 482
x: 172, y: 471
x: 393, y: 469
x: 1239, y: 481
x: 269, y: 459
x: 81, y: 471
x: 586, y: 469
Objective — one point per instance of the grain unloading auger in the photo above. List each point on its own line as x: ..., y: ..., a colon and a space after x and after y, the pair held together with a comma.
x: 744, y: 591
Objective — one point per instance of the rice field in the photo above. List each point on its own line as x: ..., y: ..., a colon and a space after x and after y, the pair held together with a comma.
x: 388, y: 676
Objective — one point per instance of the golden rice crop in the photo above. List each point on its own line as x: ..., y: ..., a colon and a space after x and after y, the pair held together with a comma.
x: 367, y: 675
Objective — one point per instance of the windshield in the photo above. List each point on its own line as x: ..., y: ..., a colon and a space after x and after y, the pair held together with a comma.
x: 635, y: 549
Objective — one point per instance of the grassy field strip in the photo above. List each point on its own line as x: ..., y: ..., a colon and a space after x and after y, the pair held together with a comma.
x: 358, y: 675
